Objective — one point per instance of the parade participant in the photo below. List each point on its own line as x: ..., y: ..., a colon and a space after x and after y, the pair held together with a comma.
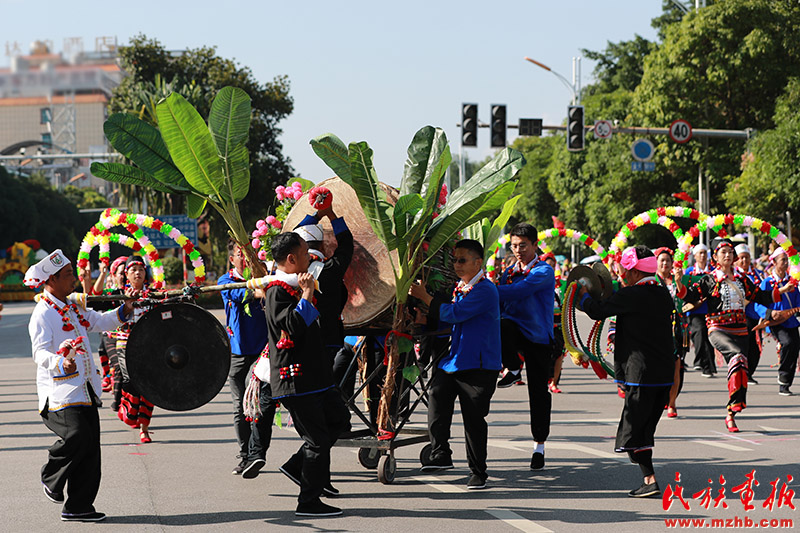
x: 755, y: 337
x: 671, y: 278
x: 247, y: 331
x: 558, y: 337
x: 134, y: 409
x: 470, y: 370
x: 644, y: 360
x: 726, y: 291
x: 526, y: 312
x: 68, y: 385
x: 703, y: 351
x: 332, y: 294
x: 301, y: 379
x: 784, y: 328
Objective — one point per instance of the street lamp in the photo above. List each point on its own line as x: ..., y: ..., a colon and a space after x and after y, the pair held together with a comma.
x: 574, y: 87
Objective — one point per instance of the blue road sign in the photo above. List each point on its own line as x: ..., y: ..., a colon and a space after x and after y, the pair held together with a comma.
x: 186, y: 225
x: 642, y: 150
x: 643, y: 166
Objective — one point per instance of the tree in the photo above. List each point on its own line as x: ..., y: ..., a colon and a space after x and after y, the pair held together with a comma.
x: 85, y: 198
x: 204, y: 74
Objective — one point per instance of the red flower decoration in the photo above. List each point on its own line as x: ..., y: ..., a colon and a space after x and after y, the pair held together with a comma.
x: 662, y: 212
x: 631, y: 226
x: 320, y: 197
x: 589, y: 241
x: 694, y: 232
x: 728, y: 219
x: 695, y: 214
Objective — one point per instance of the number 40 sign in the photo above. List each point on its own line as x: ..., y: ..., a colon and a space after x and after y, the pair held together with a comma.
x: 680, y: 131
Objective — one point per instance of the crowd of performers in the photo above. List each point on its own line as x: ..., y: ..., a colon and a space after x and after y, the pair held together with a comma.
x: 278, y: 333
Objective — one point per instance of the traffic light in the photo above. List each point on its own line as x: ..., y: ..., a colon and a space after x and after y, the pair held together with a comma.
x: 575, y: 129
x: 498, y: 126
x: 530, y: 127
x: 469, y: 124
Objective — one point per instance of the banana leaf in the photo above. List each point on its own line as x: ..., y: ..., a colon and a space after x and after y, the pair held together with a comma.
x: 195, y: 205
x: 435, y: 166
x: 424, y: 153
x: 190, y: 144
x: 142, y: 143
x: 477, y: 231
x: 229, y: 119
x: 335, y: 154
x: 496, y: 229
x: 130, y: 175
x: 237, y: 170
x: 373, y: 201
x: 473, y: 211
x: 404, y: 210
x: 503, y: 167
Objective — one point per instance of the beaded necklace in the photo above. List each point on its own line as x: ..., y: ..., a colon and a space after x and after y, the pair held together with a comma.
x: 464, y: 289
x: 516, y: 270
x: 66, y: 324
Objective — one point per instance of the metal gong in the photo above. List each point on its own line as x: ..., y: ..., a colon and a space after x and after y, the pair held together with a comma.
x: 178, y: 356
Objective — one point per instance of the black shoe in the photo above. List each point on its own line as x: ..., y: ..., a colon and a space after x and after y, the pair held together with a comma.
x: 437, y: 464
x: 784, y: 391
x: 508, y: 379
x: 708, y: 374
x: 253, y: 468
x: 94, y: 516
x: 55, y: 497
x: 240, y: 467
x: 537, y: 461
x: 328, y: 490
x: 752, y: 381
x: 697, y: 367
x: 476, y: 482
x: 645, y: 491
x: 316, y: 508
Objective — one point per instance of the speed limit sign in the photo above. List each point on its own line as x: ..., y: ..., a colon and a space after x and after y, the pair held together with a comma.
x: 680, y: 131
x: 602, y: 129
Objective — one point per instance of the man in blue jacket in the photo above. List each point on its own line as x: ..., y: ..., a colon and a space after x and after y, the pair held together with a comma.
x: 469, y: 372
x: 247, y: 330
x: 526, y: 327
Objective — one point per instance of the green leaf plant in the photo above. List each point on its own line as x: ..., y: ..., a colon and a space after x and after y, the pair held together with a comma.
x: 209, y: 163
x: 417, y: 226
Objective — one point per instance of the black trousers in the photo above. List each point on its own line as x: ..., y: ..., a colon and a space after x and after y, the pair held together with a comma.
x: 538, y: 358
x: 261, y: 430
x: 474, y: 389
x: 703, y: 351
x: 754, y: 346
x: 238, y: 376
x: 319, y: 420
x: 640, y: 416
x: 790, y: 347
x: 74, y: 460
x: 342, y: 356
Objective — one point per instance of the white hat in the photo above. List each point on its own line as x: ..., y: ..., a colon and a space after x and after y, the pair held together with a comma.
x: 310, y: 233
x: 39, y: 273
x: 699, y: 248
x: 742, y: 249
x: 776, y: 253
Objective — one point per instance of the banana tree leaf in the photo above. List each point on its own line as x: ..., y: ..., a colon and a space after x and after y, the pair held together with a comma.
x: 304, y: 183
x: 237, y: 169
x: 499, y: 223
x: 406, y: 207
x: 195, y: 205
x: 431, y: 187
x: 473, y: 211
x: 503, y: 167
x: 142, y: 143
x: 190, y: 144
x: 333, y: 153
x: 474, y: 232
x: 373, y: 201
x: 424, y: 153
x: 130, y: 175
x: 229, y: 119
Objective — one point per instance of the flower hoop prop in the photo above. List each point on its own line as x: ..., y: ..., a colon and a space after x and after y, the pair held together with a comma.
x: 104, y: 240
x: 581, y: 354
x: 715, y: 223
x: 660, y: 216
x: 570, y: 234
x: 491, y: 263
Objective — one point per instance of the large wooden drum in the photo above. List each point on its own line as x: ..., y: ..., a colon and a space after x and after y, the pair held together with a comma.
x: 369, y: 280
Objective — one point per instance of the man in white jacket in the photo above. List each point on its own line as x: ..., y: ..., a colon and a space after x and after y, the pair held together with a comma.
x: 68, y: 383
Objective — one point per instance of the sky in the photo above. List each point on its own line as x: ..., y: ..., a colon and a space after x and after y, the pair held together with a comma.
x: 368, y: 71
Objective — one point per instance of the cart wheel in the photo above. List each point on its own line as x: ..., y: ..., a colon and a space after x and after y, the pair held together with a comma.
x: 425, y: 455
x: 387, y: 467
x: 369, y: 457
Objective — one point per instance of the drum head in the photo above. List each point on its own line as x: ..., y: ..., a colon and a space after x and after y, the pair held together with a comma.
x: 178, y: 356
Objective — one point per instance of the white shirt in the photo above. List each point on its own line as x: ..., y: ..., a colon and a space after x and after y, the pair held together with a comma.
x: 45, y: 329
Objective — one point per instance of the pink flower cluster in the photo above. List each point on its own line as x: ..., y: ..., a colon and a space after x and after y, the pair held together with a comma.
x: 292, y: 192
x: 263, y: 228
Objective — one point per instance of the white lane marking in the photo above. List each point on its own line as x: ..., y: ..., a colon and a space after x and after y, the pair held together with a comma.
x: 438, y: 484
x: 779, y: 430
x: 724, y: 446
x: 729, y: 436
x: 517, y: 521
x: 509, y: 445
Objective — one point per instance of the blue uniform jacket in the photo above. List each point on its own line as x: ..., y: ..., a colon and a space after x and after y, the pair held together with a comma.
x: 248, y: 334
x: 528, y: 301
x: 789, y: 300
x: 475, y: 318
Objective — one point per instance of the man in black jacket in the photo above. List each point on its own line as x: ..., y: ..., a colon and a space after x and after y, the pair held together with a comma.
x: 301, y: 378
x: 644, y: 358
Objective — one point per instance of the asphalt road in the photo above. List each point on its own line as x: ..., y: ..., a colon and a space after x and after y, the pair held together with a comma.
x: 182, y: 481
